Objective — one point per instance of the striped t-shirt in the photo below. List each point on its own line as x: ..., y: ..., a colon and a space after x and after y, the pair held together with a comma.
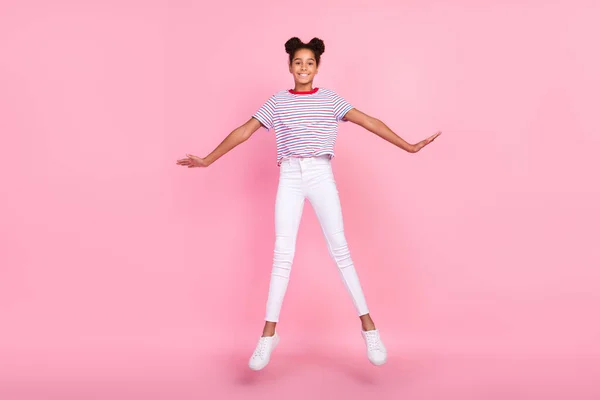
x: 305, y: 123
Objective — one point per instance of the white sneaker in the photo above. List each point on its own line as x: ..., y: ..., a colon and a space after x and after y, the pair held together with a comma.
x: 376, y: 351
x: 262, y: 354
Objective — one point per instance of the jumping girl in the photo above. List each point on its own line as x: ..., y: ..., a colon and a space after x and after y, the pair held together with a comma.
x: 305, y: 120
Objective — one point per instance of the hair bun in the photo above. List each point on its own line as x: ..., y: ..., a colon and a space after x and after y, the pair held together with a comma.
x: 292, y: 44
x: 318, y: 45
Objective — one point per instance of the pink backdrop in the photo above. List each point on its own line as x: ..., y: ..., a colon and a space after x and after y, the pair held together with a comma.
x: 119, y: 267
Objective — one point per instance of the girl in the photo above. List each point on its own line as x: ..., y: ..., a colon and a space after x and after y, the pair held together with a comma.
x: 305, y: 120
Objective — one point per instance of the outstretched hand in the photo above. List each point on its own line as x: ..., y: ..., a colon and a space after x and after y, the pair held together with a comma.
x: 425, y: 142
x: 192, y: 162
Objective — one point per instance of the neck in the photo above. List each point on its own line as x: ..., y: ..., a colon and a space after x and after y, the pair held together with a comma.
x: 306, y: 87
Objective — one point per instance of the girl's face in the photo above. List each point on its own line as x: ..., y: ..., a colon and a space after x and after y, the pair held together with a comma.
x: 304, y: 67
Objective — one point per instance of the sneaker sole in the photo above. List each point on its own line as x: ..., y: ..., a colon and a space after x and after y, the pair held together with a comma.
x: 378, y: 364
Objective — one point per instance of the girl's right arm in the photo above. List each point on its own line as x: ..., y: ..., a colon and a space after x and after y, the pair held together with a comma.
x: 237, y: 136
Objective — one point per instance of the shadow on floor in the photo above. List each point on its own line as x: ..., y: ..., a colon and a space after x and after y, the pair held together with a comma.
x: 357, y: 369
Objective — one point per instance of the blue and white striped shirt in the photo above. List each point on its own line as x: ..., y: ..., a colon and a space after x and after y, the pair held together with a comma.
x: 305, y: 123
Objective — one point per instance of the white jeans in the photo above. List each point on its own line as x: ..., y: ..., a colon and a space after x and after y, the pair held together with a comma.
x: 311, y: 178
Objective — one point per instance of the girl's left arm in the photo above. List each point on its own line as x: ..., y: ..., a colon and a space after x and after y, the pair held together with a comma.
x: 380, y: 129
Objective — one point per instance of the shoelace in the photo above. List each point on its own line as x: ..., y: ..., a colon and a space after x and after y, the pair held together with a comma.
x: 373, y: 342
x: 260, y: 348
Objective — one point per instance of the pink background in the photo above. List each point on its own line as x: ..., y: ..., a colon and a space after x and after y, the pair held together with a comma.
x: 126, y: 276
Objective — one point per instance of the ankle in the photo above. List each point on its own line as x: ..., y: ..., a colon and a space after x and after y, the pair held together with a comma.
x: 369, y: 327
x: 367, y: 323
x: 269, y: 329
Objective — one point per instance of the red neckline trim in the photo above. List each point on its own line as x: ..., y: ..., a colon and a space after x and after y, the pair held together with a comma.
x: 292, y: 91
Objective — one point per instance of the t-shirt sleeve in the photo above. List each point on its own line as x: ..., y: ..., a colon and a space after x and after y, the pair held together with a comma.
x: 265, y: 113
x: 340, y: 106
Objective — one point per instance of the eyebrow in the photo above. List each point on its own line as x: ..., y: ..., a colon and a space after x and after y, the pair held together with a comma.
x: 299, y: 59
